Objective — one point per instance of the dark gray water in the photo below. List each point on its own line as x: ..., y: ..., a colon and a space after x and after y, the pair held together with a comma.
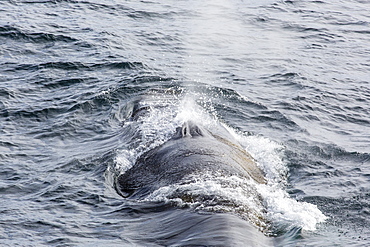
x: 290, y: 79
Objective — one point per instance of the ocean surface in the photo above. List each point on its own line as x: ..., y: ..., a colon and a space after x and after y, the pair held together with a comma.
x: 290, y: 80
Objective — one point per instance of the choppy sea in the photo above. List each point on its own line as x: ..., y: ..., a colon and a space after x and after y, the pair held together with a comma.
x: 288, y: 79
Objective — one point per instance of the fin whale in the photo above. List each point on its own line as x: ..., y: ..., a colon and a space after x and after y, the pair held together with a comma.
x: 192, y: 150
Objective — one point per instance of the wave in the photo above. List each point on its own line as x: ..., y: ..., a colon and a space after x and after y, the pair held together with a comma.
x: 74, y: 66
x: 15, y: 33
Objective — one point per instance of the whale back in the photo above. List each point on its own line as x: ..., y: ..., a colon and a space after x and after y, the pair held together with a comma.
x: 192, y: 150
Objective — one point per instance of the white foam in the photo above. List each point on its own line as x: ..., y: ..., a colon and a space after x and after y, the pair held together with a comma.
x: 284, y: 210
x: 281, y: 209
x: 124, y: 160
x: 268, y: 155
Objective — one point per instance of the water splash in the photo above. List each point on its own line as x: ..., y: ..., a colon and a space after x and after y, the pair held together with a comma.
x: 286, y: 212
x: 281, y: 209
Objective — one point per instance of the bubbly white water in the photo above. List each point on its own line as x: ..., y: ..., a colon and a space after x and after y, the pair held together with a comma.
x: 281, y: 209
x: 206, y: 191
